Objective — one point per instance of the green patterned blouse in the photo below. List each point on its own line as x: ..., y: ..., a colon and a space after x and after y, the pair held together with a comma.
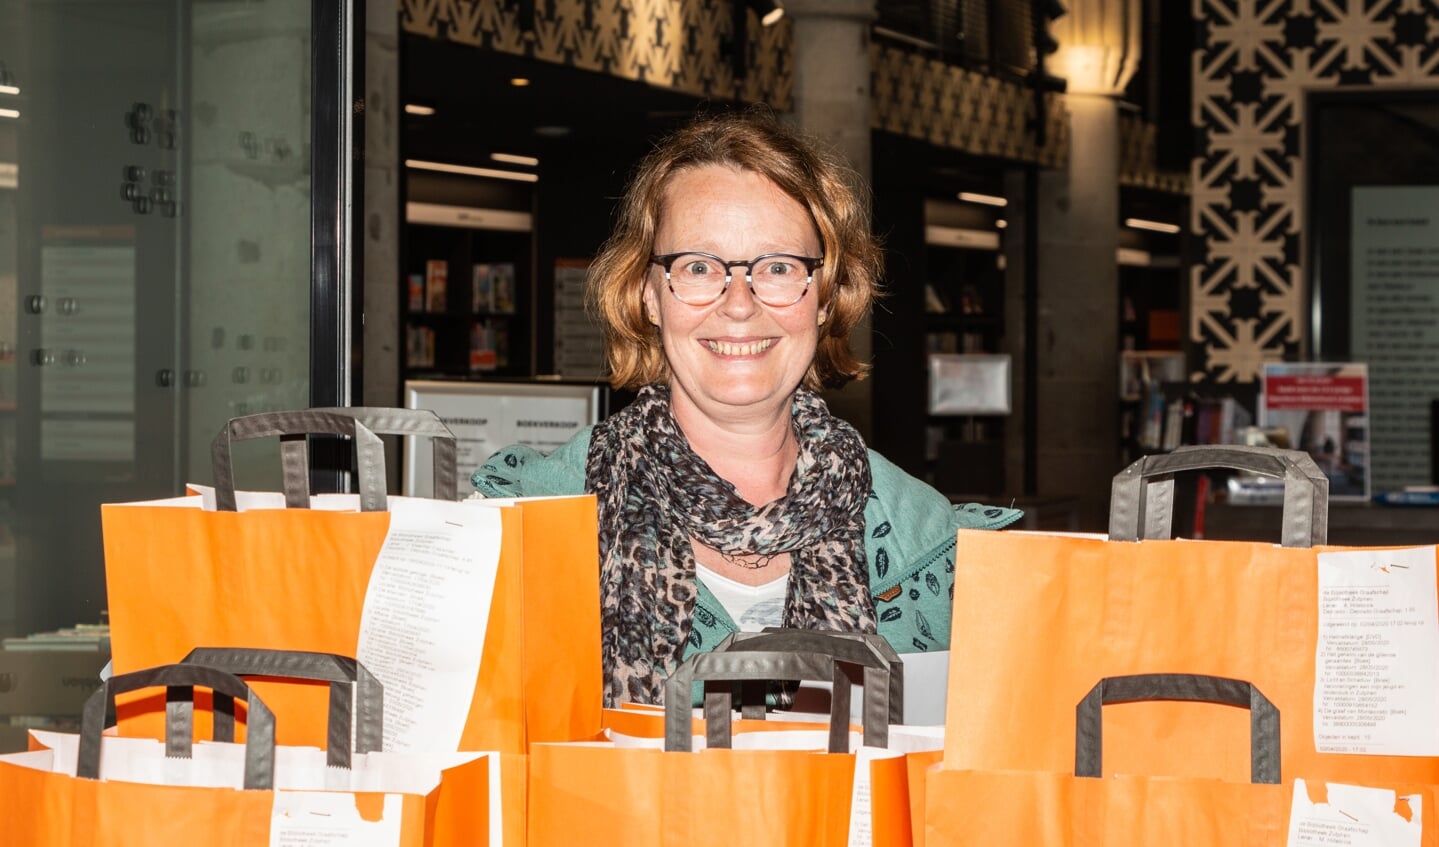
x: 909, y: 540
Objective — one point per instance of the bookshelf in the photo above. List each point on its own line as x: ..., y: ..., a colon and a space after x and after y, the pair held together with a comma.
x: 467, y: 301
x: 964, y: 314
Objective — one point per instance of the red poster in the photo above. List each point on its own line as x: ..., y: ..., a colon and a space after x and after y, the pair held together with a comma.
x: 1322, y: 408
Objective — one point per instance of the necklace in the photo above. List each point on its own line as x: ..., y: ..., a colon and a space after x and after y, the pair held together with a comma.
x: 749, y: 561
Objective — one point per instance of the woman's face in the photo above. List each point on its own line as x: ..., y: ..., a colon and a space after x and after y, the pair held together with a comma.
x: 736, y: 357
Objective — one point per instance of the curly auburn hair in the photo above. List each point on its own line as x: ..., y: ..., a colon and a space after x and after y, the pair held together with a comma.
x: 752, y: 140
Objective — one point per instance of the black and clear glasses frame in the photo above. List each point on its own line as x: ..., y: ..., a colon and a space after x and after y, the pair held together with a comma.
x: 667, y: 260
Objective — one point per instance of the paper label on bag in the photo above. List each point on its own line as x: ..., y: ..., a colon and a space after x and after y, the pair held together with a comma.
x: 1376, y: 663
x: 331, y: 819
x: 1354, y: 815
x: 426, y: 609
x: 861, y: 805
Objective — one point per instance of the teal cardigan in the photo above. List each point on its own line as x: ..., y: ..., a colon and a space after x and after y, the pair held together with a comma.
x: 909, y: 540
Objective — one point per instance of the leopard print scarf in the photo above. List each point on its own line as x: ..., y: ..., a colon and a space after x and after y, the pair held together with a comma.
x: 655, y: 495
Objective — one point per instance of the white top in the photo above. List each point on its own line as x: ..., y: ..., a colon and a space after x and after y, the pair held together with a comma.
x: 753, y: 607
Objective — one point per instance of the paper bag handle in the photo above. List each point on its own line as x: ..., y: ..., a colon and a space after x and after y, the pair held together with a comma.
x: 741, y: 665
x: 1141, y: 501
x: 357, y: 700
x: 417, y: 422
x: 879, y: 706
x: 1263, y: 716
x: 292, y: 427
x: 259, y: 721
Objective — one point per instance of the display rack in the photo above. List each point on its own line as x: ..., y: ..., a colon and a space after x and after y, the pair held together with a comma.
x: 467, y: 301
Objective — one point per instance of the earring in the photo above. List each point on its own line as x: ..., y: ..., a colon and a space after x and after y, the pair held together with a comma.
x: 822, y: 316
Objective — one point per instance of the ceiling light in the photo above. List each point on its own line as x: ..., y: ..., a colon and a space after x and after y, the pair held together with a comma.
x: 467, y: 170
x: 9, y: 113
x: 769, y: 11
x: 417, y: 109
x: 519, y: 82
x: 512, y: 159
x: 9, y: 89
x: 1152, y: 226
x: 986, y: 199
x: 1001, y: 223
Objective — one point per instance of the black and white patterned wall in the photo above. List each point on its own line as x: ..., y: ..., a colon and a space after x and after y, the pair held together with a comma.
x: 666, y: 44
x: 1254, y: 63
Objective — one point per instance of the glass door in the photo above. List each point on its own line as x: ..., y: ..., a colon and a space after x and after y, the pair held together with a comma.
x: 163, y: 165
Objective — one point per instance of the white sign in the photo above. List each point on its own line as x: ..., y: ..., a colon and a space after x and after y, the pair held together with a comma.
x: 486, y: 416
x: 1376, y: 663
x: 1354, y: 815
x: 1394, y: 323
x: 87, y: 329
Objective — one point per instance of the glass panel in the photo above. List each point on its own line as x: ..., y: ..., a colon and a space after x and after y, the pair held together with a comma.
x: 248, y: 316
x: 154, y: 270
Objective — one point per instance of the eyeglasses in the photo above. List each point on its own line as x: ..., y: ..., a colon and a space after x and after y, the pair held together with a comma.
x: 775, y: 279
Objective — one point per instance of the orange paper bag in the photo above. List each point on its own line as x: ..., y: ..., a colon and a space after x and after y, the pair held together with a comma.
x: 182, y: 574
x: 625, y: 791
x: 1038, y: 617
x: 1088, y: 808
x: 104, y: 791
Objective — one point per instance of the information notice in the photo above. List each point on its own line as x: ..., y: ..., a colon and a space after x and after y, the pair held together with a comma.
x: 1354, y: 815
x: 1376, y: 667
x: 331, y: 819
x: 1394, y: 323
x: 422, y: 630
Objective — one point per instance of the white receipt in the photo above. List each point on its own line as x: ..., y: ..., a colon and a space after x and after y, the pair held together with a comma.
x: 1376, y: 663
x: 330, y: 819
x: 426, y: 609
x: 1354, y: 815
x: 861, y: 805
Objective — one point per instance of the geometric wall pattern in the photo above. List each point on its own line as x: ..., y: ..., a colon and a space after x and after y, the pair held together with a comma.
x: 949, y: 106
x: 1139, y: 155
x: 684, y: 46
x: 1254, y: 62
x: 687, y: 46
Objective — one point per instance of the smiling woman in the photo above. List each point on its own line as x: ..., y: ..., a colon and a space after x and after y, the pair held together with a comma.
x: 729, y: 497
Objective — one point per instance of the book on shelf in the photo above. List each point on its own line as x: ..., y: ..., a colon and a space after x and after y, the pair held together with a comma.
x: 415, y: 292
x: 1174, y: 418
x: 502, y: 287
x: 419, y: 347
x: 482, y: 347
x: 500, y: 338
x: 934, y: 303
x: 1218, y: 420
x: 480, y: 289
x: 437, y: 274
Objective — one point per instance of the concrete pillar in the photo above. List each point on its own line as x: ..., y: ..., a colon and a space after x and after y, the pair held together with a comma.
x: 832, y: 101
x: 1077, y: 341
x: 383, y: 217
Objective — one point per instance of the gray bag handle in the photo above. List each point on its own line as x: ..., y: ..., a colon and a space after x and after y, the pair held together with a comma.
x: 1141, y: 502
x: 292, y: 427
x: 768, y: 665
x: 259, y: 723
x: 357, y: 700
x: 854, y: 647
x: 425, y: 423
x: 1263, y: 716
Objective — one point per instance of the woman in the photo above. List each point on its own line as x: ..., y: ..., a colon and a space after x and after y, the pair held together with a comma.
x: 728, y: 496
